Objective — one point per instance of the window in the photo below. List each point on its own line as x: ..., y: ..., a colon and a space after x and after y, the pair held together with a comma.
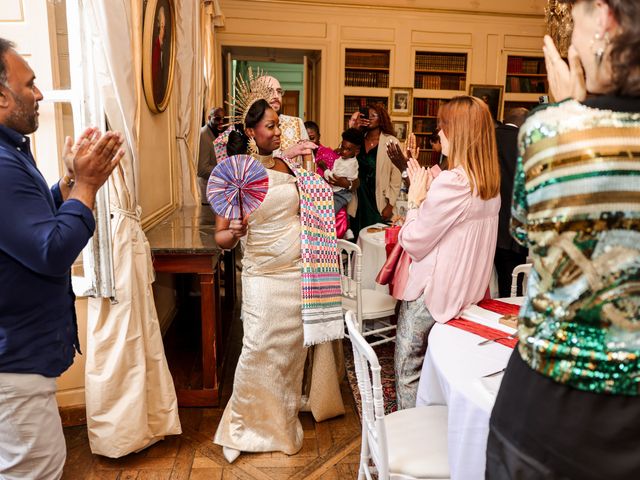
x: 77, y: 105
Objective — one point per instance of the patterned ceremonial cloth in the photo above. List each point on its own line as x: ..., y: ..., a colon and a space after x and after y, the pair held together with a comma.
x: 576, y: 205
x: 220, y: 144
x: 321, y: 295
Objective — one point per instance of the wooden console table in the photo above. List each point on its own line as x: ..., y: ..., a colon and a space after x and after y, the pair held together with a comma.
x: 184, y: 243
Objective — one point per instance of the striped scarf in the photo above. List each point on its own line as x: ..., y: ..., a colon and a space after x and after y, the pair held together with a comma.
x: 321, y: 296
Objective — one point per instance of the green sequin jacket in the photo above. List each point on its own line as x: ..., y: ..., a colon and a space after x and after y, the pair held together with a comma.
x: 576, y: 206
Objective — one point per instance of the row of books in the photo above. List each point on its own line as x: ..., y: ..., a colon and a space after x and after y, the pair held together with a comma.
x: 440, y: 82
x: 428, y: 157
x: 427, y: 106
x: 351, y: 104
x: 524, y: 65
x: 424, y: 125
x: 526, y: 85
x: 366, y: 79
x: 435, y: 62
x: 366, y: 59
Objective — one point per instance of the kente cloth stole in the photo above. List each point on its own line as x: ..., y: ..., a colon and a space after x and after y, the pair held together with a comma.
x: 321, y: 295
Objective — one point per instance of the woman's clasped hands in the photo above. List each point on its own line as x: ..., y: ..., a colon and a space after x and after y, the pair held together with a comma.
x: 420, y: 179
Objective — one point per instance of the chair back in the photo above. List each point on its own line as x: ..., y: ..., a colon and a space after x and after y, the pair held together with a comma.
x: 523, y: 269
x: 350, y: 256
x: 374, y: 434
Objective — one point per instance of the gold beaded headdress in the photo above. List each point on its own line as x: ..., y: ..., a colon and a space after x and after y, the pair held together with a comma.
x: 248, y: 92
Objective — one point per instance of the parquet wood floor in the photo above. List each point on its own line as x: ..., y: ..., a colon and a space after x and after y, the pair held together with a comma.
x: 330, y: 451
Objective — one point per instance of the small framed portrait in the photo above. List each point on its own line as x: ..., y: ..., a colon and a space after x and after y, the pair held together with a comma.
x: 158, y: 52
x: 400, y: 130
x: 491, y: 95
x: 401, y: 101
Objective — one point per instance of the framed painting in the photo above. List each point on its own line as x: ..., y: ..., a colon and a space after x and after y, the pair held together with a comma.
x: 401, y: 101
x: 400, y: 130
x: 158, y: 52
x: 491, y: 95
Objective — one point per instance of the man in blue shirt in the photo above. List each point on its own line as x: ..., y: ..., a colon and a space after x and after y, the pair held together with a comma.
x: 42, y: 232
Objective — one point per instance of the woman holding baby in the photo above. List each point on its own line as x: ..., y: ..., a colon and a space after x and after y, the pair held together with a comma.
x: 450, y: 234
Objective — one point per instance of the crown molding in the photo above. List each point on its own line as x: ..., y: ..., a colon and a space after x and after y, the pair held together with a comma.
x: 532, y: 9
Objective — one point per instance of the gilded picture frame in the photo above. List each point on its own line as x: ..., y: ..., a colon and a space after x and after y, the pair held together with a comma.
x: 400, y: 130
x: 401, y: 101
x: 158, y: 52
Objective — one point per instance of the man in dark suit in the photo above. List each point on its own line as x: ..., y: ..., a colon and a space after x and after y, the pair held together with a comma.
x: 508, y: 253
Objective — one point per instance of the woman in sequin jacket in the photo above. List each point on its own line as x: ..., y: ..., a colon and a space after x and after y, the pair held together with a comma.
x: 569, y: 403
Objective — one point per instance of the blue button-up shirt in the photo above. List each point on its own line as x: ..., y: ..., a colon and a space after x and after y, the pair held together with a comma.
x: 40, y: 238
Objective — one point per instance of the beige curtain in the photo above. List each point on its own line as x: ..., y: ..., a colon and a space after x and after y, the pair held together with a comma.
x: 211, y: 17
x: 130, y: 397
x: 188, y: 96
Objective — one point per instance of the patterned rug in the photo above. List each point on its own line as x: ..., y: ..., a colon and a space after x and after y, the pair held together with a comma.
x: 385, y: 357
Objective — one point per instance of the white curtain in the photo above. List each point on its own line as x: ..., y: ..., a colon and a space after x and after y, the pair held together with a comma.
x: 188, y: 96
x: 130, y: 396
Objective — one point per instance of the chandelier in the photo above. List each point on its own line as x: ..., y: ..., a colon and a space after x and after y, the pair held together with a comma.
x: 559, y: 24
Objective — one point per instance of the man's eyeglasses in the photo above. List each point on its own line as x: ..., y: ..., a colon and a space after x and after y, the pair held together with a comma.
x: 277, y: 91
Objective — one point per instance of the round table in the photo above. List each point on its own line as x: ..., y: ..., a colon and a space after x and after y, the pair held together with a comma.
x: 373, y: 256
x: 452, y: 375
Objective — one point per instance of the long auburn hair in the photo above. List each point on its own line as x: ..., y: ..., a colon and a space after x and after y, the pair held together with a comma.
x: 467, y: 123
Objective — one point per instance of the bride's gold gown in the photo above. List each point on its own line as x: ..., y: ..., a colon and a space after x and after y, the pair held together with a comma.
x: 262, y: 414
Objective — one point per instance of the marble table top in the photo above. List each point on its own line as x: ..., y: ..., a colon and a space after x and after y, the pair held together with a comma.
x: 188, y: 230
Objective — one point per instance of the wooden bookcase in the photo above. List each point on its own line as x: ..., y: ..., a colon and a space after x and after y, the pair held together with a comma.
x: 425, y: 123
x: 525, y: 81
x: 440, y: 71
x: 437, y: 77
x: 354, y: 102
x: 366, y: 68
x: 366, y: 79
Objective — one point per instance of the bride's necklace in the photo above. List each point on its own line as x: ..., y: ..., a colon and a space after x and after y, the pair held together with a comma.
x: 267, y: 160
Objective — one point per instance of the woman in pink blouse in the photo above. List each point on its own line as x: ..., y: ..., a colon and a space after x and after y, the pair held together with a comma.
x: 450, y: 234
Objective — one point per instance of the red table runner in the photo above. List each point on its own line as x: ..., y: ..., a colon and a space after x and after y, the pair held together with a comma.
x: 483, y: 331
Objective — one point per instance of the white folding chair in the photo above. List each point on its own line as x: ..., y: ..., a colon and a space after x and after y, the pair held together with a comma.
x: 523, y: 269
x: 407, y: 444
x: 368, y: 304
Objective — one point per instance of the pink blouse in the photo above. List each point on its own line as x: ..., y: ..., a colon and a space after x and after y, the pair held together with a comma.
x: 451, y: 240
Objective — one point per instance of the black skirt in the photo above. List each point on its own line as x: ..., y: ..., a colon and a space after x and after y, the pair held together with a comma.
x: 574, y: 434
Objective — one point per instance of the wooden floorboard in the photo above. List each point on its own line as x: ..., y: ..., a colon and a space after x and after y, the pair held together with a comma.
x: 330, y: 449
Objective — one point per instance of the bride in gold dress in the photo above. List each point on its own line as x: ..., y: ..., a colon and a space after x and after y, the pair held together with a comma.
x: 262, y: 414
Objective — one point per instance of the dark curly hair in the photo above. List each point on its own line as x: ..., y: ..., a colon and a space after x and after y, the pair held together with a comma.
x: 383, y: 115
x: 625, y: 46
x: 238, y: 140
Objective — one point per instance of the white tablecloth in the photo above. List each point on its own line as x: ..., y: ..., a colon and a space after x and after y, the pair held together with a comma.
x: 373, y: 256
x: 452, y: 375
